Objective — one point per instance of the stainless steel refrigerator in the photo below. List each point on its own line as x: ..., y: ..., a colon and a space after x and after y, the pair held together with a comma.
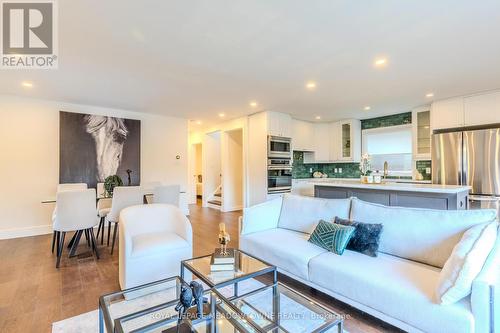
x: 469, y: 158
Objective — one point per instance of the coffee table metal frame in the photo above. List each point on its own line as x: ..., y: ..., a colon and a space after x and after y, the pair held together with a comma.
x: 232, y: 281
x: 216, y: 298
x: 275, y: 322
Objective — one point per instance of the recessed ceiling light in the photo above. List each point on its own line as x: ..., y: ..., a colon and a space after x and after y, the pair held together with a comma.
x: 380, y: 62
x: 318, y: 117
x: 27, y: 84
x: 367, y: 108
x: 222, y: 115
x: 253, y: 104
x: 429, y: 95
x: 311, y: 85
x: 198, y: 122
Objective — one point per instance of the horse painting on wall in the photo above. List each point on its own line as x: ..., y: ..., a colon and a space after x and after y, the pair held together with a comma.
x: 93, y: 147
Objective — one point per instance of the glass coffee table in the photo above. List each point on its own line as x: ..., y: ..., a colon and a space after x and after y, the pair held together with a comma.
x: 278, y: 308
x: 246, y: 267
x: 242, y: 300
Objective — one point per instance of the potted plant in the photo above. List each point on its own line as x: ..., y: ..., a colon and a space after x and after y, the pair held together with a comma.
x: 366, y: 169
x: 111, y: 182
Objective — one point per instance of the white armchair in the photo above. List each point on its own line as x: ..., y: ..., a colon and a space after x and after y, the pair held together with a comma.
x: 154, y: 239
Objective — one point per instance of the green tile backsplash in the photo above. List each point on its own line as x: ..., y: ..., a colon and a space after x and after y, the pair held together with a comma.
x: 392, y: 120
x: 302, y: 170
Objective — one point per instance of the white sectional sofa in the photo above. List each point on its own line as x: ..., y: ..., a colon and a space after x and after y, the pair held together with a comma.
x: 397, y: 286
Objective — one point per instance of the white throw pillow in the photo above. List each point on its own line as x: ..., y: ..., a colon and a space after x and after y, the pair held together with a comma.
x: 465, y: 263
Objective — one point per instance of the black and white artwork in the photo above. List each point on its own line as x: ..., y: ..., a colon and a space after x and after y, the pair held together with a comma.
x: 93, y: 147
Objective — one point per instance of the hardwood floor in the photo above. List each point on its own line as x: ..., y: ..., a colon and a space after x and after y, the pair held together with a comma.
x: 33, y: 293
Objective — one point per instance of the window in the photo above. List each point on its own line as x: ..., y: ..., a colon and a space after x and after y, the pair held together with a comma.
x: 392, y: 145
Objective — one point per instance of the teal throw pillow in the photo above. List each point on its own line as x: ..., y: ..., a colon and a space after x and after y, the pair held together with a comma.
x: 332, y: 237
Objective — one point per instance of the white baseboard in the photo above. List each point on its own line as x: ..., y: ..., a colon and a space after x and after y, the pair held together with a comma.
x: 232, y: 209
x: 26, y: 231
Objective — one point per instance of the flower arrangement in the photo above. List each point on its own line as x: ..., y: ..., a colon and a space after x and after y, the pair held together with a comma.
x: 365, y: 167
x: 111, y: 182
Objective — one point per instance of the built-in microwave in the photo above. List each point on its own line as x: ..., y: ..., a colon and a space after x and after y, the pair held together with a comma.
x: 279, y: 162
x: 279, y: 147
x: 279, y: 179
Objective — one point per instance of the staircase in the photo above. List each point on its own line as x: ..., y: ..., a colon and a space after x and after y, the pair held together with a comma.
x: 215, y: 200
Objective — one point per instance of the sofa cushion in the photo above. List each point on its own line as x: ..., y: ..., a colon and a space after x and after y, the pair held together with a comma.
x: 366, y: 237
x: 302, y: 214
x: 422, y: 235
x: 154, y: 243
x: 289, y: 250
x: 465, y: 263
x: 399, y: 288
x: 332, y: 237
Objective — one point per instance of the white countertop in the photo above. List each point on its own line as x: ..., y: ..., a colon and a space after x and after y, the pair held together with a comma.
x: 390, y: 186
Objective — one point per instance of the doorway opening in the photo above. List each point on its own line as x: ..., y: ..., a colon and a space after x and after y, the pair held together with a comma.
x: 212, y: 173
x: 198, y: 173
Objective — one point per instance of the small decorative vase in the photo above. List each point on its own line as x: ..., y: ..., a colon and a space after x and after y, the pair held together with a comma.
x: 369, y: 179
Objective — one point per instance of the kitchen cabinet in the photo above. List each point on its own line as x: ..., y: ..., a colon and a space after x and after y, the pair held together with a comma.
x: 338, y: 142
x: 349, y: 139
x: 334, y: 141
x: 482, y: 109
x: 421, y: 127
x: 302, y: 135
x: 471, y: 110
x: 322, y: 141
x: 279, y: 124
x: 447, y: 113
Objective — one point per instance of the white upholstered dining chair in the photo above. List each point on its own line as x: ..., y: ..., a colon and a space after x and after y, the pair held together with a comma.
x: 123, y: 197
x: 75, y: 211
x: 154, y: 239
x: 61, y: 188
x: 167, y: 194
x: 148, y: 188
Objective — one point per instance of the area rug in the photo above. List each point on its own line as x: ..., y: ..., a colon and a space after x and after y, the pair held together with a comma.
x: 308, y: 321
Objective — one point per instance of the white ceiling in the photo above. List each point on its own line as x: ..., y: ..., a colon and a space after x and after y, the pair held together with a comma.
x: 195, y: 59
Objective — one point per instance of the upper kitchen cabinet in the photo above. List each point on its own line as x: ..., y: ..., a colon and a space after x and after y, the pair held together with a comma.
x: 472, y: 110
x: 447, y: 113
x: 348, y: 138
x: 302, y: 135
x: 421, y: 126
x: 482, y: 109
x: 279, y: 124
x: 322, y: 142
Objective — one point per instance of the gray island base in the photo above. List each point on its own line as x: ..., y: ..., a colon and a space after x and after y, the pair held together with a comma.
x: 395, y: 194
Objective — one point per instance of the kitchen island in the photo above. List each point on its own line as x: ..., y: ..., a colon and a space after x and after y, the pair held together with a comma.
x: 447, y: 197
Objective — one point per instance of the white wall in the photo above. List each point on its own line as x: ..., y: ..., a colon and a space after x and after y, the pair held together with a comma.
x: 29, y: 157
x: 232, y: 170
x: 257, y: 159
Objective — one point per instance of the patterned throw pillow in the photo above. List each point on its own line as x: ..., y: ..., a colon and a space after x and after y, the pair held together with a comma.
x: 365, y: 239
x: 331, y: 237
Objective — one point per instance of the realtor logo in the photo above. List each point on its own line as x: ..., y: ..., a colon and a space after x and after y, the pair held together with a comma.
x: 29, y: 34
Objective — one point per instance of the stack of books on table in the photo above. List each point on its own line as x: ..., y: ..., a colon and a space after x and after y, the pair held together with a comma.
x: 221, y: 262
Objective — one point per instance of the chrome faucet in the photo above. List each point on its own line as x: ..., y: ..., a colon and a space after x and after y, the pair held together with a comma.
x: 386, y: 169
